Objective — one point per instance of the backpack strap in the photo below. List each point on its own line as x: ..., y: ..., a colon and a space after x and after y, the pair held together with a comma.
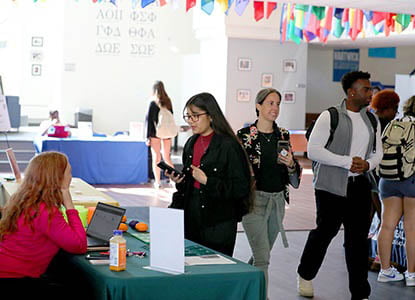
x: 334, y: 121
x: 374, y: 123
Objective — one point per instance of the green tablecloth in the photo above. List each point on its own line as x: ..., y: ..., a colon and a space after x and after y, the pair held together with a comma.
x: 236, y: 281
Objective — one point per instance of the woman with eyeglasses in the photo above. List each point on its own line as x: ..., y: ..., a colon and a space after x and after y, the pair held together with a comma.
x: 274, y: 167
x: 215, y: 189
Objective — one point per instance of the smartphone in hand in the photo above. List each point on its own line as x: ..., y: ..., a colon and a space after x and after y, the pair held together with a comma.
x: 283, y: 148
x: 162, y: 165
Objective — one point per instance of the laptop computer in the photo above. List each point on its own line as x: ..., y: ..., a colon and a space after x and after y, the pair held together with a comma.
x: 104, y: 221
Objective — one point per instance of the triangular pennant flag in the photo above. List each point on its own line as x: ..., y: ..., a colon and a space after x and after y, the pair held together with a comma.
x: 114, y: 2
x: 190, y: 4
x: 229, y: 6
x: 404, y: 20
x: 240, y: 6
x: 299, y: 14
x: 283, y: 23
x: 144, y: 3
x: 258, y: 10
x: 223, y: 4
x: 207, y: 6
x: 319, y: 12
x: 271, y: 6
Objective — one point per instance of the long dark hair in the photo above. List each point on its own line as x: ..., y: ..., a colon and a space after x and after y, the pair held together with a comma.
x: 208, y: 103
x: 220, y: 125
x: 164, y: 99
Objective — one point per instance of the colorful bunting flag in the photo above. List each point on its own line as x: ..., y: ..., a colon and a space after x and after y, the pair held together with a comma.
x: 144, y: 3
x: 337, y: 22
x: 271, y: 6
x: 190, y: 4
x: 258, y: 10
x: 240, y: 6
x: 207, y: 6
x: 223, y: 4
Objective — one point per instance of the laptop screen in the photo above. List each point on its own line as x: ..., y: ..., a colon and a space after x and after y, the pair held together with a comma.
x: 106, y: 218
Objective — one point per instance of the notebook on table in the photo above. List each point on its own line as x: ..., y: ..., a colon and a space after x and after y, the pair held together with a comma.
x: 104, y: 221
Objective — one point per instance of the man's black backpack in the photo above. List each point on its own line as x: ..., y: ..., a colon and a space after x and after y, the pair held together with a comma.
x: 334, y: 121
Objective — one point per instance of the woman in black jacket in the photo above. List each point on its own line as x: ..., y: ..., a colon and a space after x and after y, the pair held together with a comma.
x: 215, y: 189
x: 274, y: 169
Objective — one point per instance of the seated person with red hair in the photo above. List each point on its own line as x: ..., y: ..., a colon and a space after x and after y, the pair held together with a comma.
x: 33, y: 229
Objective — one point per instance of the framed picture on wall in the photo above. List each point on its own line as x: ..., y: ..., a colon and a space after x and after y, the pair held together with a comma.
x: 266, y: 80
x: 37, y: 41
x: 243, y: 95
x: 244, y: 64
x: 289, y: 65
x: 36, y: 70
x: 288, y: 97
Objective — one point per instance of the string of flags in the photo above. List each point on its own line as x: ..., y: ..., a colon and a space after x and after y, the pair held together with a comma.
x: 301, y: 22
x: 306, y: 23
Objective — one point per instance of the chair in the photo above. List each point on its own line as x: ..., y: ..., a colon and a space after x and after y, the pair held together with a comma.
x: 121, y: 133
x: 99, y: 134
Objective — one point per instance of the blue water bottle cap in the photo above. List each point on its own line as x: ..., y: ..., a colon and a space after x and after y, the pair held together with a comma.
x: 117, y: 232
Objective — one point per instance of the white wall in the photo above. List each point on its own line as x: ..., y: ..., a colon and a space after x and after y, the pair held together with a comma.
x: 117, y: 86
x: 75, y: 73
x: 405, y: 88
x: 266, y: 57
x: 322, y: 92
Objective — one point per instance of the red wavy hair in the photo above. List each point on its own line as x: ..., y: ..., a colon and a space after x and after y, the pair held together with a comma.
x: 385, y: 99
x: 41, y: 184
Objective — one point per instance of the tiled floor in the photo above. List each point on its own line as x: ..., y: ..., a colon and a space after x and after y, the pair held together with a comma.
x: 331, y: 282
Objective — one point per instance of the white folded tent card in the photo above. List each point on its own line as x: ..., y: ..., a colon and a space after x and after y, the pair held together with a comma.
x: 167, y: 240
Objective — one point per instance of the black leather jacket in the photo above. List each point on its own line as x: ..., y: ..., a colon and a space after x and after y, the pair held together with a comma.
x: 226, y: 193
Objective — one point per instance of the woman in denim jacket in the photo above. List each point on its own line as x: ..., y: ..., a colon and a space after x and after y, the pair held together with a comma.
x: 273, y: 172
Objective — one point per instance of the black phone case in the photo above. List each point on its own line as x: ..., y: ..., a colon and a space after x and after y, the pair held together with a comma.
x: 162, y: 165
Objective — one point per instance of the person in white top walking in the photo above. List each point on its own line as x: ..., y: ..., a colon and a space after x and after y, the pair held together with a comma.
x: 342, y: 184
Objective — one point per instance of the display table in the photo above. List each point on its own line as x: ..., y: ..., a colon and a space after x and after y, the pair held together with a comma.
x: 82, y: 193
x: 238, y: 281
x: 101, y: 160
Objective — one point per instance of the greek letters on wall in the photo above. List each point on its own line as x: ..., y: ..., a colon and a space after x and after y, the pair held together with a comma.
x: 126, y: 31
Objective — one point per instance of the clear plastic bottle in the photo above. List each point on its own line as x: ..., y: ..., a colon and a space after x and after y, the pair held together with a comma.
x: 118, y: 252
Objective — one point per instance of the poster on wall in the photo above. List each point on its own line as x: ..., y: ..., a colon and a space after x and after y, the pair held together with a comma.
x: 344, y: 61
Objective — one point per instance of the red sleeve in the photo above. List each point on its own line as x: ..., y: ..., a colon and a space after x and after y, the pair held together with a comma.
x: 70, y: 236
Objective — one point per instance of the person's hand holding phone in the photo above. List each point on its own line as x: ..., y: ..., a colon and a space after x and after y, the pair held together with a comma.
x: 171, y: 172
x: 176, y: 178
x: 285, y: 157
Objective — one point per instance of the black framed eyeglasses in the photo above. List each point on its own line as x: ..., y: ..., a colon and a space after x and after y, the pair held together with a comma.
x: 194, y: 117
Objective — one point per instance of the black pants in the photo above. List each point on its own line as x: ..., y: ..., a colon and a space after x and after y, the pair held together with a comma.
x: 220, y: 237
x: 353, y: 212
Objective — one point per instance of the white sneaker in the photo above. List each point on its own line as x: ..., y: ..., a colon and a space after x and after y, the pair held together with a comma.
x: 305, y: 287
x: 389, y: 275
x: 410, y: 278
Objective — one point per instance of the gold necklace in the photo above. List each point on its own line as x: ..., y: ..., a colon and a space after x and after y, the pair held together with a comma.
x: 267, y: 136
